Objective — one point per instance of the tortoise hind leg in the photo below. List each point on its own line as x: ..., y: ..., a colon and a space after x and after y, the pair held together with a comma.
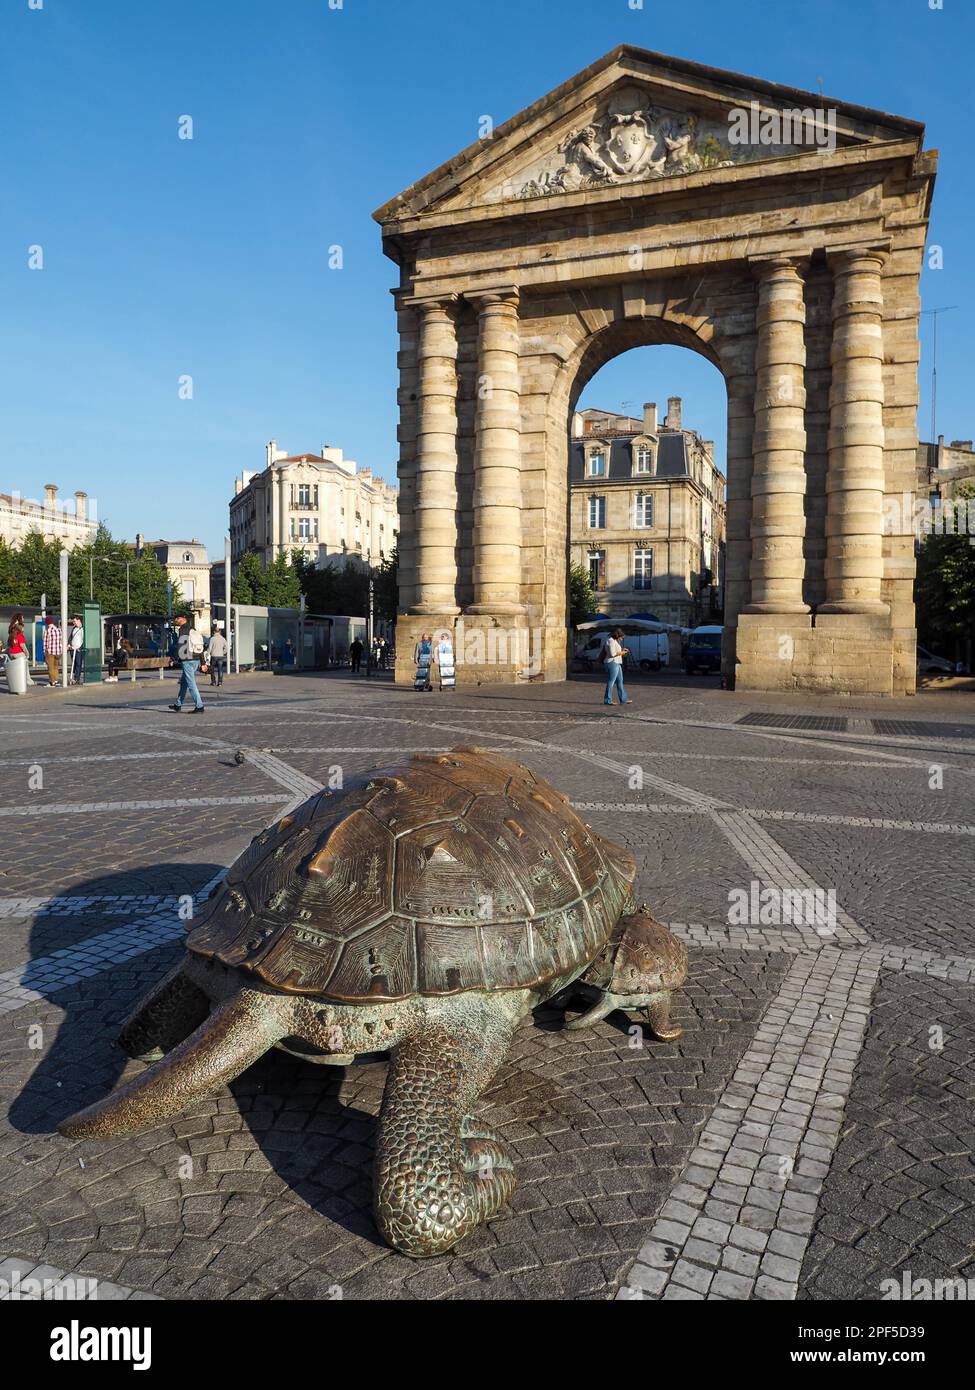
x: 169, y: 1013
x: 439, y: 1171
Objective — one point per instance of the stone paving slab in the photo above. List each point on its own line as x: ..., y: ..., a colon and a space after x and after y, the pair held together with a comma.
x: 275, y: 1200
x: 899, y: 1197
x: 281, y: 1163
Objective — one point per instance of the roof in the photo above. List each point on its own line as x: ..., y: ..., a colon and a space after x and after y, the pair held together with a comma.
x: 479, y: 155
x: 672, y: 461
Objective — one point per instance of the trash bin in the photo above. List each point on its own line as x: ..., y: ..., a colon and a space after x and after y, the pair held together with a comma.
x: 16, y: 668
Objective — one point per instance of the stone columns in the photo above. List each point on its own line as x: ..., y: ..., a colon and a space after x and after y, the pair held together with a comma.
x: 497, y: 461
x: 855, y: 475
x: 436, y: 461
x: 778, y: 472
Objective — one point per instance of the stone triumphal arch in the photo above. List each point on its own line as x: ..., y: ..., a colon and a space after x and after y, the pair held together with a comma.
x: 652, y: 200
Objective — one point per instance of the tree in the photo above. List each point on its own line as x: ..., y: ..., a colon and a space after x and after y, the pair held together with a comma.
x: 386, y: 588
x: 336, y: 590
x: 944, y: 590
x: 582, y: 596
x: 96, y: 571
x: 248, y: 582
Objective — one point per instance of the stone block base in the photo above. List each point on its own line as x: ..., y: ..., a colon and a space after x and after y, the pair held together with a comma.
x: 831, y: 654
x: 502, y: 650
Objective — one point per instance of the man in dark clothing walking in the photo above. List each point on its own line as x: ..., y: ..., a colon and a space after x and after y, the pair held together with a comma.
x: 355, y: 651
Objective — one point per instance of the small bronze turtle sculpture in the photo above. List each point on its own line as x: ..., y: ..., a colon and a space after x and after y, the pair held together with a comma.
x: 425, y: 910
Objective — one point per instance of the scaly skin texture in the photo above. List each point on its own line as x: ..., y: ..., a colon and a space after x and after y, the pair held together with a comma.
x: 440, y: 1172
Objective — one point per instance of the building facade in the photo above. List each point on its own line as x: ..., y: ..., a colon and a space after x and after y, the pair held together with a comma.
x: 321, y: 504
x: 941, y: 467
x: 647, y: 514
x: 71, y: 523
x: 186, y: 564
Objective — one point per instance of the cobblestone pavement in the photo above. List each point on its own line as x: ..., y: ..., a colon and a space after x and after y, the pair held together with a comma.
x: 809, y: 1136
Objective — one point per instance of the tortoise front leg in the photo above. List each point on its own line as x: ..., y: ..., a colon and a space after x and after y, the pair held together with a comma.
x: 439, y: 1171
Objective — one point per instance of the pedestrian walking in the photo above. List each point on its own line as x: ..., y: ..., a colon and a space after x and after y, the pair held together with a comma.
x: 379, y: 653
x: 76, y: 643
x: 186, y: 647
x: 53, y: 646
x: 445, y: 662
x: 217, y: 656
x: 612, y: 656
x: 355, y: 652
x: 422, y: 657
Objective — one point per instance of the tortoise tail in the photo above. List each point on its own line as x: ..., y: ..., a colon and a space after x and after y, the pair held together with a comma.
x: 234, y: 1036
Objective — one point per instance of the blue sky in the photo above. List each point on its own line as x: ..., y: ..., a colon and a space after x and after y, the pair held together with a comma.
x: 209, y: 258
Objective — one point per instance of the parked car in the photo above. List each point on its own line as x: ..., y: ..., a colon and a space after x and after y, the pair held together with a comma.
x: 703, y: 652
x: 928, y: 662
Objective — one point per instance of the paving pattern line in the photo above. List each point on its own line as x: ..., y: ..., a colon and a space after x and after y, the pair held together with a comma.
x: 297, y: 783
x: 864, y: 822
x: 49, y: 974
x: 80, y: 905
x: 737, y: 1223
x: 18, y: 1277
x: 68, y: 808
x: 795, y: 940
x: 809, y: 817
x: 777, y: 869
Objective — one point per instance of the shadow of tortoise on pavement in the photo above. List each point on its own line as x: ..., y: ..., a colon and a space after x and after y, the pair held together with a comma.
x: 93, y: 965
x: 265, y: 1190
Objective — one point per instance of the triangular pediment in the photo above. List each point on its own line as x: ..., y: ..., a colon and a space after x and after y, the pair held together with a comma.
x: 635, y: 118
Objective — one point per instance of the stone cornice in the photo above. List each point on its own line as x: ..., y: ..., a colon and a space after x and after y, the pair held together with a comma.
x: 710, y: 181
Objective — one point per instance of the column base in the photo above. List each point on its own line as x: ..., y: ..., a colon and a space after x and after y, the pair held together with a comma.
x: 773, y: 607
x: 485, y: 610
x: 869, y: 607
x: 432, y: 610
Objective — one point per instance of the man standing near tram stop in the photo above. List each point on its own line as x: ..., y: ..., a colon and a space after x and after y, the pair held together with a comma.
x: 52, y: 648
x: 186, y: 647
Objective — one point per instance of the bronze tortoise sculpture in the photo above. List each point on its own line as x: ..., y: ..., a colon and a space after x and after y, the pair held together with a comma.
x: 424, y: 910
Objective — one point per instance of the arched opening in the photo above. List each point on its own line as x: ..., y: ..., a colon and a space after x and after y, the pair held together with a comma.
x: 646, y: 429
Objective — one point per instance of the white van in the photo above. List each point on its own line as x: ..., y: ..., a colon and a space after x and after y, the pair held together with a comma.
x: 648, y: 650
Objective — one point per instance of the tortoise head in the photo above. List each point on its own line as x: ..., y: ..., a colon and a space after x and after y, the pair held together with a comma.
x: 648, y: 957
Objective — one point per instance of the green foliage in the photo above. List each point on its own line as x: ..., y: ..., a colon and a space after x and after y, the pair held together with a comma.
x: 95, y: 571
x: 336, y: 589
x: 386, y: 588
x: 582, y: 596
x: 279, y: 586
x: 248, y: 582
x: 945, y: 587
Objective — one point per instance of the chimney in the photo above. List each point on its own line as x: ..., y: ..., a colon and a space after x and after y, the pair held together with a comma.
x: 80, y: 504
x: 673, y: 413
x: 271, y: 448
x: 140, y: 541
x: 50, y: 494
x: 650, y: 417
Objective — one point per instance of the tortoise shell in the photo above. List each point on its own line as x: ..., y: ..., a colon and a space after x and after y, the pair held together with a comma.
x: 444, y: 873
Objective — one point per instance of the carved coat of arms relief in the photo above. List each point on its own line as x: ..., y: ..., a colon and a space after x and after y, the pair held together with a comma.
x: 628, y: 140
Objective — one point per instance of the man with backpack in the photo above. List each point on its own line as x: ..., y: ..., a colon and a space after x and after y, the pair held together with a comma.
x: 186, y: 647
